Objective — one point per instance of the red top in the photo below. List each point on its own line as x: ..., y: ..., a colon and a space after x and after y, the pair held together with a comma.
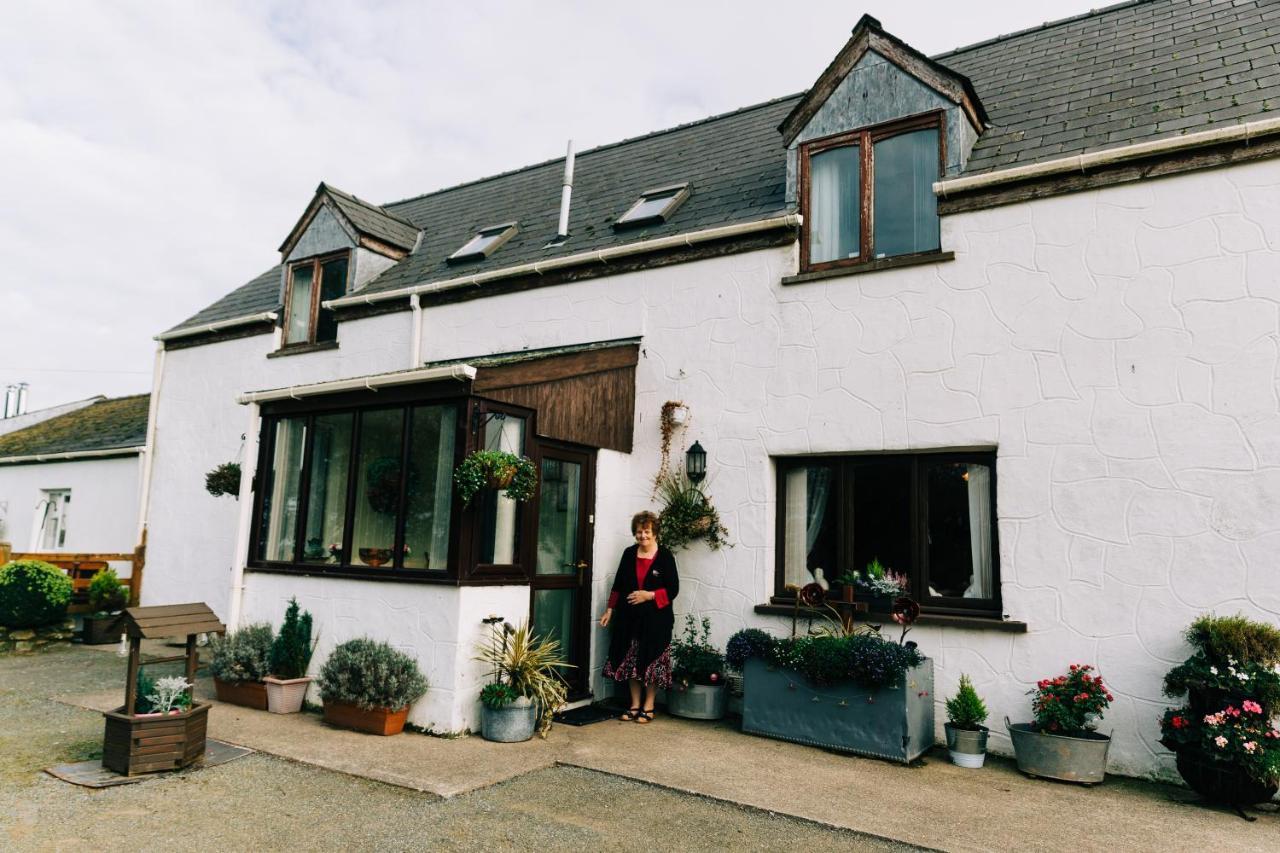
x: 643, y: 565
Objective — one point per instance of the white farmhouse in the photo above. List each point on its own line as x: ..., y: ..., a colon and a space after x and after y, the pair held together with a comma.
x: 1004, y: 319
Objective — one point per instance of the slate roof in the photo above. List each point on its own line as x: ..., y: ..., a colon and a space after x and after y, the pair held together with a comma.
x: 375, y: 221
x: 1126, y: 73
x: 106, y: 425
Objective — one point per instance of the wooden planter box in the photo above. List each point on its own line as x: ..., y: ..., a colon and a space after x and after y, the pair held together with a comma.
x: 379, y: 721
x: 894, y: 723
x: 250, y: 694
x: 101, y: 632
x: 151, y: 743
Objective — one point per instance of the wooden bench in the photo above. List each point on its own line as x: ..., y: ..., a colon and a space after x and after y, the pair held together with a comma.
x: 82, y: 567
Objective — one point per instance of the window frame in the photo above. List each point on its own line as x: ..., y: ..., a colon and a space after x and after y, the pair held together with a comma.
x: 678, y: 192
x: 317, y: 285
x: 919, y: 572
x: 501, y: 233
x: 864, y: 138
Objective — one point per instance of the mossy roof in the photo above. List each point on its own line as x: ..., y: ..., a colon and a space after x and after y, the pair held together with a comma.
x: 106, y: 425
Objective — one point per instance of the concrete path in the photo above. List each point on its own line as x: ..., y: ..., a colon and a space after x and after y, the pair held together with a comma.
x: 937, y: 805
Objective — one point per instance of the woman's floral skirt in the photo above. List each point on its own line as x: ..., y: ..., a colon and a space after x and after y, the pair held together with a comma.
x: 657, y: 673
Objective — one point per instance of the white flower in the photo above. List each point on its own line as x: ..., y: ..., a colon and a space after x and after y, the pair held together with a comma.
x: 1213, y: 670
x: 1244, y: 676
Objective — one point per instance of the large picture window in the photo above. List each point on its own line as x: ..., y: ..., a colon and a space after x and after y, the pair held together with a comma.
x: 868, y: 194
x: 930, y: 516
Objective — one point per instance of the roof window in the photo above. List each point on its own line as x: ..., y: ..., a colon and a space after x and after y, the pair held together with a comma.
x: 654, y: 206
x: 484, y: 243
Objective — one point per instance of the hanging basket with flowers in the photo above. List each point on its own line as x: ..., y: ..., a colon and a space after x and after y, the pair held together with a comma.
x: 496, y: 469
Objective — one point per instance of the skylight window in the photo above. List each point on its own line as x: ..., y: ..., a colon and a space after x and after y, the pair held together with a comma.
x: 484, y: 243
x: 654, y: 206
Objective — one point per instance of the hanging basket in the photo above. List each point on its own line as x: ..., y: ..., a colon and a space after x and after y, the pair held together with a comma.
x: 500, y: 478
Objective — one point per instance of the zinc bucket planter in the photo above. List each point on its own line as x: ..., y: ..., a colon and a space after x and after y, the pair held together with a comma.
x: 697, y: 701
x: 893, y: 723
x: 285, y: 695
x: 377, y: 721
x: 510, y: 724
x: 967, y: 748
x: 149, y: 743
x: 249, y: 694
x: 1067, y: 759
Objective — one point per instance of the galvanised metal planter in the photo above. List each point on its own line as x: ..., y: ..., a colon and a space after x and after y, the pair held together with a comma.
x: 697, y: 701
x: 894, y: 723
x: 1068, y: 759
x: 968, y: 748
x: 510, y: 724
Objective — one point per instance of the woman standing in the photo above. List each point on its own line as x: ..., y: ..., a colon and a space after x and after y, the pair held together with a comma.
x: 640, y: 645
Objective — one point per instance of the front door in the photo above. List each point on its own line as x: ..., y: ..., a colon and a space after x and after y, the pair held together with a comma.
x: 561, y: 598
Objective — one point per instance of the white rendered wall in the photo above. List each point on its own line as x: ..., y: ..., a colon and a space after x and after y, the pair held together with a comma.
x: 1118, y: 347
x: 102, y: 517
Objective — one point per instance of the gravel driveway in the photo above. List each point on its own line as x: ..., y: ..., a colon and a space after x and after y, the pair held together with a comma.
x: 262, y: 802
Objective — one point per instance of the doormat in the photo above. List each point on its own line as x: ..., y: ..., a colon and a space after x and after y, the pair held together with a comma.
x: 585, y: 716
x: 91, y: 774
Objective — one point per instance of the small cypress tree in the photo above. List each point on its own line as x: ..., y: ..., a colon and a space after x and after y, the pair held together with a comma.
x: 291, y: 651
x: 966, y: 709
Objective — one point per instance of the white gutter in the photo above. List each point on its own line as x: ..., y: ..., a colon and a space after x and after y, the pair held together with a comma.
x: 70, y: 455
x: 1084, y: 162
x: 149, y: 454
x: 603, y: 256
x: 370, y: 383
x: 260, y: 317
x: 248, y: 469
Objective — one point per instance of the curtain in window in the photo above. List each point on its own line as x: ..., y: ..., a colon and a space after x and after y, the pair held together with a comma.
x: 378, y: 486
x: 906, y: 210
x: 426, y: 531
x: 282, y: 520
x: 298, y: 326
x: 834, y: 229
x: 980, y: 530
x: 806, y: 508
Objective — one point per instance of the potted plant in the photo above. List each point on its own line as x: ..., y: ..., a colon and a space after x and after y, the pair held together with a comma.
x: 224, y: 480
x: 290, y: 656
x: 526, y: 688
x: 687, y: 514
x: 845, y: 688
x: 966, y: 736
x: 697, y: 689
x: 880, y: 585
x: 368, y: 686
x: 107, y: 598
x: 241, y: 660
x: 1061, y: 742
x: 1227, y: 747
x: 496, y: 469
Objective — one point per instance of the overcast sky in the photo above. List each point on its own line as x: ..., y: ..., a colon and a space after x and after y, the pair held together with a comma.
x: 153, y: 155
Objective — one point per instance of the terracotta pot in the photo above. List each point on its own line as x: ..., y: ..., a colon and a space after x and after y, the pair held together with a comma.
x: 378, y: 721
x: 285, y: 695
x: 250, y: 694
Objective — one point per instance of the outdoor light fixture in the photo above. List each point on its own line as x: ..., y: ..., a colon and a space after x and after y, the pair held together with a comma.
x: 695, y: 463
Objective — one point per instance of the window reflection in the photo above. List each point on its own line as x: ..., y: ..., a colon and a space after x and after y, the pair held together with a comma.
x: 429, y: 499
x: 378, y: 488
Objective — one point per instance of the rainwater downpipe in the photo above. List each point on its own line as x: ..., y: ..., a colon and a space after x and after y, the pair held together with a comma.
x: 149, y: 450
x: 415, y: 353
x: 248, y: 470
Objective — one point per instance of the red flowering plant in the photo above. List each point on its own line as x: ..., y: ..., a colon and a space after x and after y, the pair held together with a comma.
x: 1070, y: 704
x: 1241, y: 735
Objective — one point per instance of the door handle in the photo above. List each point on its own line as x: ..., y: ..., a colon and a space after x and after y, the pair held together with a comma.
x: 581, y: 566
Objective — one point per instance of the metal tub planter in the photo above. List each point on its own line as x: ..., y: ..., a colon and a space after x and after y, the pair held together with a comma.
x: 697, y: 701
x: 1067, y: 759
x: 512, y: 723
x: 893, y: 723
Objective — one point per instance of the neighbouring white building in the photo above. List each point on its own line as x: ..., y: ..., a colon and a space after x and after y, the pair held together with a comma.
x: 1004, y: 319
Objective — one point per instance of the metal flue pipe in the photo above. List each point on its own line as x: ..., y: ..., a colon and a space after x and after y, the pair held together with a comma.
x: 566, y: 191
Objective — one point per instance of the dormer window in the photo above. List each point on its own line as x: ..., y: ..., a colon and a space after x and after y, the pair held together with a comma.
x: 868, y: 194
x: 484, y: 243
x: 310, y: 283
x: 654, y: 206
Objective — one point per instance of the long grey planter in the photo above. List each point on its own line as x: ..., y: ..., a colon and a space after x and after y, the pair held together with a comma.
x: 894, y: 723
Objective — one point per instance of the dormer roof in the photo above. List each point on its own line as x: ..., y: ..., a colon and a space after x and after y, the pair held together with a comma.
x: 868, y: 35
x: 368, y: 224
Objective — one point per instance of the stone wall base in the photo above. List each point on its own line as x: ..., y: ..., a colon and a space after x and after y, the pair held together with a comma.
x: 27, y: 640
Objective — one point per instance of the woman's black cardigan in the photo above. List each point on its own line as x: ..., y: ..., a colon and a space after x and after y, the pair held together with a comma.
x: 646, y: 623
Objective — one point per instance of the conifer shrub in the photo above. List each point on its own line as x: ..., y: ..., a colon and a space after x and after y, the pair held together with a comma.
x: 105, y: 592
x: 966, y: 710
x: 292, y: 648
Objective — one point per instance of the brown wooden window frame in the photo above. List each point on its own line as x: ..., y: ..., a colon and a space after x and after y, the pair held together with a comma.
x: 317, y: 285
x: 864, y: 139
x: 843, y: 503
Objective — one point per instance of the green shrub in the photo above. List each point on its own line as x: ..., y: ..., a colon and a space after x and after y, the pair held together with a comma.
x: 866, y: 659
x: 243, y: 655
x: 105, y: 592
x: 371, y: 674
x: 695, y: 660
x: 224, y: 480
x: 32, y: 593
x: 292, y: 648
x: 1225, y: 637
x: 966, y: 710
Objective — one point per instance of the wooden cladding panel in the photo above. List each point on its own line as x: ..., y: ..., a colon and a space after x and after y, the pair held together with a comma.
x: 597, y: 409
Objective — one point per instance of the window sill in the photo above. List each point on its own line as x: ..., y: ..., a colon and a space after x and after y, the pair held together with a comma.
x: 940, y: 620
x: 870, y: 266
x: 299, y: 349
x: 362, y: 573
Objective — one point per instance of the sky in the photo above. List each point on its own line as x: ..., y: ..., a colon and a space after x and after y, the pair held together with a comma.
x: 153, y: 156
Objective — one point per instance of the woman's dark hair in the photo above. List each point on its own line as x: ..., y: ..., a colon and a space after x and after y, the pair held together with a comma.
x: 644, y: 519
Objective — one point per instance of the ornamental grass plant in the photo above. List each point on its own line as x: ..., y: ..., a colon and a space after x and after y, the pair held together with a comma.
x: 32, y: 593
x: 371, y: 674
x: 528, y: 664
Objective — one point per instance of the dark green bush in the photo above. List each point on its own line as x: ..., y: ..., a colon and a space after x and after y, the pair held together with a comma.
x: 32, y: 593
x: 243, y: 655
x: 371, y: 674
x: 105, y: 592
x: 1225, y: 637
x: 224, y: 480
x: 292, y: 648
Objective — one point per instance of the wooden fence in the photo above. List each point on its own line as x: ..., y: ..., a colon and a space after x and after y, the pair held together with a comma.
x: 82, y: 567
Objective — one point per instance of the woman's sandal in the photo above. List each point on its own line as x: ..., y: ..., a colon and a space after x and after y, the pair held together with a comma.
x: 630, y: 715
x: 644, y: 717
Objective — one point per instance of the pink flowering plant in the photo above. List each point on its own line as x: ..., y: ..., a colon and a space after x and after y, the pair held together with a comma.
x: 1239, y: 734
x: 1070, y: 704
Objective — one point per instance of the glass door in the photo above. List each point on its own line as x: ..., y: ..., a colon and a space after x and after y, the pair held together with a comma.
x: 561, y: 597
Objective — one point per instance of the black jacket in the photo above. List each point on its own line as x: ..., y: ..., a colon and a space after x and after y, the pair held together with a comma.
x: 647, y: 623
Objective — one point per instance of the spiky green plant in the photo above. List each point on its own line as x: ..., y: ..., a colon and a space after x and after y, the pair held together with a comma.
x: 530, y: 665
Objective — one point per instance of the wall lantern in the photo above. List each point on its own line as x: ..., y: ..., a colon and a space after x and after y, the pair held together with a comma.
x: 695, y: 463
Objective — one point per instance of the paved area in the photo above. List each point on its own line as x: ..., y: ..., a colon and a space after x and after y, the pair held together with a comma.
x: 934, y: 806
